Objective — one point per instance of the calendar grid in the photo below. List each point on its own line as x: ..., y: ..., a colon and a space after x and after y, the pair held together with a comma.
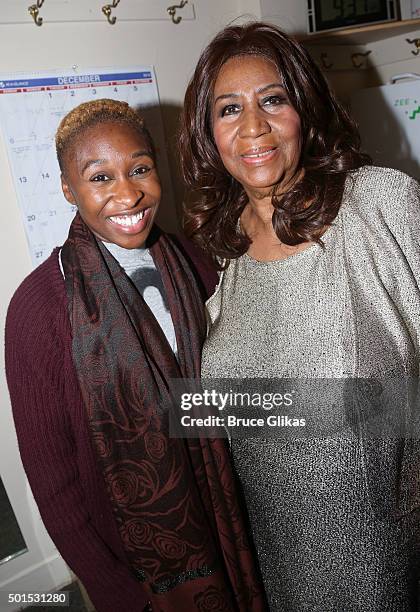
x: 31, y: 107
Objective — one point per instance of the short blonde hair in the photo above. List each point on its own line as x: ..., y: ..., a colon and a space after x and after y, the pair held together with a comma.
x: 89, y: 114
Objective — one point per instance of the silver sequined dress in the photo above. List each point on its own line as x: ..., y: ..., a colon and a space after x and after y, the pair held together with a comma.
x: 329, y: 515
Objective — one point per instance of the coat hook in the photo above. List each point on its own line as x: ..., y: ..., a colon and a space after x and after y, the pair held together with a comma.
x: 34, y: 12
x: 172, y: 11
x: 355, y: 56
x: 107, y: 11
x: 324, y: 57
x: 416, y: 42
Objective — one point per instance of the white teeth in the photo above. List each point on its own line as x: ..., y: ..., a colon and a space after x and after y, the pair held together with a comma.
x: 259, y: 154
x: 128, y: 220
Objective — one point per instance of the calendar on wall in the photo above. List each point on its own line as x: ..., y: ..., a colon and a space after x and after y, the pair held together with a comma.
x: 31, y: 107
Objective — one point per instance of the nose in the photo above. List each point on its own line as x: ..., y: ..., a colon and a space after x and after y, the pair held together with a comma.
x: 254, y: 123
x: 126, y: 193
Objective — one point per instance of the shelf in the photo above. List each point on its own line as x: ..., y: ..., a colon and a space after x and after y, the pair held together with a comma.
x: 362, y: 35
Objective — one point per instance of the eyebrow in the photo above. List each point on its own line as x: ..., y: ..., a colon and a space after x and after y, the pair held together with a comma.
x: 92, y: 162
x: 270, y: 86
x: 95, y: 162
x: 141, y: 153
x: 260, y: 90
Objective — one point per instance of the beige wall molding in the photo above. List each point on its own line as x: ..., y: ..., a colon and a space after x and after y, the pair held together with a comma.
x: 61, y: 11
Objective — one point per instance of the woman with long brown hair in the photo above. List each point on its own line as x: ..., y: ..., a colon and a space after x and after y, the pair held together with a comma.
x: 320, y: 272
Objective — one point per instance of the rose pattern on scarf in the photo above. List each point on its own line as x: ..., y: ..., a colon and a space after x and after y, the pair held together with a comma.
x: 124, y: 486
x: 102, y: 444
x: 136, y: 533
x: 211, y: 600
x: 149, y: 482
x: 169, y: 545
x: 156, y: 445
x: 98, y: 371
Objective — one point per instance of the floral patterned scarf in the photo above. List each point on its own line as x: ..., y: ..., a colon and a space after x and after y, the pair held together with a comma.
x: 174, y: 500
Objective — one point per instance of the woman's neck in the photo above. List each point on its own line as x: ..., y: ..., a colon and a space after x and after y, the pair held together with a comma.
x: 257, y: 221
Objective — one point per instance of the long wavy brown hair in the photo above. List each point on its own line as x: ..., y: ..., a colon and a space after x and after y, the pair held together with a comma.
x: 330, y: 147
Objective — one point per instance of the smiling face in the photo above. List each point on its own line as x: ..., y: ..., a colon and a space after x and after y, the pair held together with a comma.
x: 110, y: 175
x: 256, y: 130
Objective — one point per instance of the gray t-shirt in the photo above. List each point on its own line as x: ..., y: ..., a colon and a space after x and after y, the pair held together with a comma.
x: 138, y: 264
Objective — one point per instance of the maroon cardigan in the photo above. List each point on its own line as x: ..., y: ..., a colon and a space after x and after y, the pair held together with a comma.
x: 54, y: 442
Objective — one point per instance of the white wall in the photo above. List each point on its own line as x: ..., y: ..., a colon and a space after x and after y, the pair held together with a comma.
x: 173, y: 50
x: 250, y: 8
x: 290, y: 15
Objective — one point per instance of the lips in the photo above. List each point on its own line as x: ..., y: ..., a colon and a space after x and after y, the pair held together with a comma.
x: 131, y: 222
x: 259, y: 155
x: 128, y: 220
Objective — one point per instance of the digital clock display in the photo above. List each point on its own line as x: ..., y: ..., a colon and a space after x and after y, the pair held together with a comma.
x: 333, y: 10
x: 331, y: 14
